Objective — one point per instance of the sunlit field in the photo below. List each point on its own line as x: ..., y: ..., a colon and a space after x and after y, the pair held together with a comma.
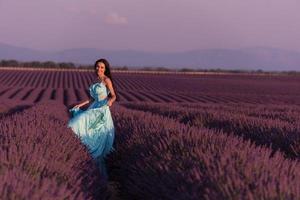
x: 178, y: 136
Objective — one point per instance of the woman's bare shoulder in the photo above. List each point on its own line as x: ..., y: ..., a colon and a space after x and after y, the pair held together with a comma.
x: 107, y: 80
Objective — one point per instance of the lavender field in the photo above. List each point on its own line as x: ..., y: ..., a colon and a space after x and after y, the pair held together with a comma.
x: 178, y: 136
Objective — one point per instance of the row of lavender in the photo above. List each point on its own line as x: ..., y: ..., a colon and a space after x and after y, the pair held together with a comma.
x: 43, y: 85
x: 69, y: 96
x: 277, y: 127
x: 177, y: 82
x: 41, y: 159
x: 157, y: 157
x: 66, y: 79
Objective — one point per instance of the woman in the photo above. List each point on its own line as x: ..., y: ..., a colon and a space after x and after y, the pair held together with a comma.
x: 94, y: 126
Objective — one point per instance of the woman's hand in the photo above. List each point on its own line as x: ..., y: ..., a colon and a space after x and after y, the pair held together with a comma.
x: 77, y: 106
x: 109, y: 103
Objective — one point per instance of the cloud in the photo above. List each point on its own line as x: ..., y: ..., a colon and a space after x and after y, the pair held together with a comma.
x: 115, y: 19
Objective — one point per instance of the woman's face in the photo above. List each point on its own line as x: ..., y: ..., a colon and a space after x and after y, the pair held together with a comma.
x: 100, y: 68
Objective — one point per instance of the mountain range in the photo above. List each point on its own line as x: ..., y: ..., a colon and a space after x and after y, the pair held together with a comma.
x: 254, y: 58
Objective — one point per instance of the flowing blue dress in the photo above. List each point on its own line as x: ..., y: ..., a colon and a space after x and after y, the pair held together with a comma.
x: 94, y: 126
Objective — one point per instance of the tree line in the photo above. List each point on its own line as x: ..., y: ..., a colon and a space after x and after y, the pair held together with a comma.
x: 70, y: 65
x: 48, y: 64
x: 36, y: 64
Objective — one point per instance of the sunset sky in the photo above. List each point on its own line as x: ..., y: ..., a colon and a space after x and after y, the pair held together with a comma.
x: 156, y: 25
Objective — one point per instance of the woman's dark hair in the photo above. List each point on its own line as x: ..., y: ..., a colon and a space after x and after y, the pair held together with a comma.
x: 106, y: 73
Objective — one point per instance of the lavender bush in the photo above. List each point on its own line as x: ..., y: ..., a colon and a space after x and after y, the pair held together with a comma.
x: 279, y: 134
x: 159, y: 158
x: 42, y: 159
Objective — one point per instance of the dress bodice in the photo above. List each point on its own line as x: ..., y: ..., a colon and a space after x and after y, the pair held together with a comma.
x: 98, y: 91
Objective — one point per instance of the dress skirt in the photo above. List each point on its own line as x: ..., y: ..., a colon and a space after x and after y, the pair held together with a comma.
x: 94, y: 127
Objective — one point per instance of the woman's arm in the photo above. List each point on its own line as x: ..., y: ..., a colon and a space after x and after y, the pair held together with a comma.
x: 82, y: 104
x: 112, y: 92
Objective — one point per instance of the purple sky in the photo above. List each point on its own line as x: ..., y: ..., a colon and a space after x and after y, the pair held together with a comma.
x: 156, y: 25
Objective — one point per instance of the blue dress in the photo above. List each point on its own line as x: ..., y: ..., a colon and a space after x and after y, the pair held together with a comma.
x: 94, y: 126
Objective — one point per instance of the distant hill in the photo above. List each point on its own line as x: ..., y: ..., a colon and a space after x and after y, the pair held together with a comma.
x: 244, y: 59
